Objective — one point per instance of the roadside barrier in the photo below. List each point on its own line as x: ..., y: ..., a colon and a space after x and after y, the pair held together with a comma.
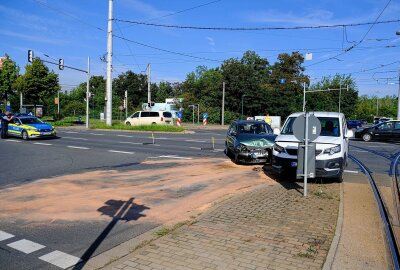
x: 204, y: 121
x: 178, y: 122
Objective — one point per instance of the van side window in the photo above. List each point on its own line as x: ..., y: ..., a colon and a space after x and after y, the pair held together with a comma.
x: 154, y: 114
x: 135, y: 115
x: 167, y: 114
x: 145, y: 114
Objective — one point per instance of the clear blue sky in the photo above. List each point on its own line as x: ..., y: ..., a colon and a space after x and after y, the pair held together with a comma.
x: 74, y: 30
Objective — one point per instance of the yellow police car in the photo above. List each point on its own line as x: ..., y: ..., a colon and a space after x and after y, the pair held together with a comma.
x: 28, y: 127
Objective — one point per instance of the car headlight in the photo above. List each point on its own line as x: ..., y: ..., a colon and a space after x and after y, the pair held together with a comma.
x: 332, y: 150
x: 241, y: 148
x: 278, y: 148
x: 32, y: 129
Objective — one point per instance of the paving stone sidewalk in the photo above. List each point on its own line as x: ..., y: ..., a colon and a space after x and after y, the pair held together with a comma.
x: 269, y: 227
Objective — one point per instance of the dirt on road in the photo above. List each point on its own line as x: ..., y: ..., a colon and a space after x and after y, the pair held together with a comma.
x: 159, y: 190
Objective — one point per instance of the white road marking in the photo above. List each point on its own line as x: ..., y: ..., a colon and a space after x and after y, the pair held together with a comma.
x: 221, y: 150
x: 132, y: 143
x: 374, y: 146
x: 5, y: 236
x: 71, y: 132
x: 199, y: 141
x: 153, y: 144
x: 360, y: 151
x: 60, y: 259
x: 197, y: 148
x: 10, y: 140
x: 78, y: 147
x: 26, y: 246
x: 96, y: 134
x: 122, y: 152
x: 73, y: 138
x: 348, y: 171
x: 42, y: 143
x: 127, y: 136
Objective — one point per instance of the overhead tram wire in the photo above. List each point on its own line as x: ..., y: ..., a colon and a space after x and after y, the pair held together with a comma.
x: 356, y: 44
x: 257, y: 28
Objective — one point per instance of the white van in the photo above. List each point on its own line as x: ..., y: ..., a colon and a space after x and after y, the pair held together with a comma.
x: 332, y: 146
x: 149, y: 118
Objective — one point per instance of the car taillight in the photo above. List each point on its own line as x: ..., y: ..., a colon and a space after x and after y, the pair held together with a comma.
x: 162, y: 119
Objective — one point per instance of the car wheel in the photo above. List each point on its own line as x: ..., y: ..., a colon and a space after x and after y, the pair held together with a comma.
x: 367, y: 137
x: 236, y: 158
x: 25, y: 135
x: 339, y: 179
x: 128, y: 123
x: 154, y: 123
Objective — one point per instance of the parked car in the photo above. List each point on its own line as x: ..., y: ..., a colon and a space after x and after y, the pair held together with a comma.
x: 332, y: 146
x: 28, y: 127
x: 354, y: 124
x: 389, y: 130
x: 149, y: 118
x: 250, y: 141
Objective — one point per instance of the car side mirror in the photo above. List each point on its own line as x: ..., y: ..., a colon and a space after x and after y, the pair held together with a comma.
x: 349, y: 133
x: 277, y: 131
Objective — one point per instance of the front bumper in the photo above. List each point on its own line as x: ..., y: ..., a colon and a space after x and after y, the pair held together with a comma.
x: 330, y: 168
x: 255, y: 156
x: 37, y: 134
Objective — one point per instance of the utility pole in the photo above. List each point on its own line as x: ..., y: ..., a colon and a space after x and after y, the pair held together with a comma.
x: 109, y: 65
x: 304, y: 96
x: 148, y: 85
x: 87, y: 92
x: 340, y: 95
x: 20, y: 102
x: 126, y: 104
x: 223, y: 104
x: 398, y: 93
x: 58, y: 104
x: 198, y: 114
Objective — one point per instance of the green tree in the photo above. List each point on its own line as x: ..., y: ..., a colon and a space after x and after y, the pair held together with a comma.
x: 38, y: 83
x: 8, y: 75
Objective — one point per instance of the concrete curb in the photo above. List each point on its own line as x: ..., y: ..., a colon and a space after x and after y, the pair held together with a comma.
x: 338, y: 232
x: 125, y: 130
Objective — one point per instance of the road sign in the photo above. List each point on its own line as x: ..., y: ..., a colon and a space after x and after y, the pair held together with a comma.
x: 178, y: 114
x: 314, y: 127
x: 205, y: 115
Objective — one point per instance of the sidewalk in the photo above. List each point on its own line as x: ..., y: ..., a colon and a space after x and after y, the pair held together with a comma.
x: 272, y: 226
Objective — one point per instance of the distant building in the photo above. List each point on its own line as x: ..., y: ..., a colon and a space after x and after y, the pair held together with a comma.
x: 170, y: 105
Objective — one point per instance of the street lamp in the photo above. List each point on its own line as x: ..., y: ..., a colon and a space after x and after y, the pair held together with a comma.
x: 242, y: 106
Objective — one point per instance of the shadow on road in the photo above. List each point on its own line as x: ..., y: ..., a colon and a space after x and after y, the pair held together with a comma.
x: 118, y: 210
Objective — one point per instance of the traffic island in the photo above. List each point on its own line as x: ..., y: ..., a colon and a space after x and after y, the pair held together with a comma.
x: 272, y: 226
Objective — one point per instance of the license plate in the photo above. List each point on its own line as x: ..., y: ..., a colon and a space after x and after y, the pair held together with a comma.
x: 293, y: 164
x: 46, y: 133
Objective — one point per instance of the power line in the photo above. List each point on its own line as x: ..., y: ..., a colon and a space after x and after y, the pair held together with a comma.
x: 359, y: 42
x: 257, y: 28
x: 168, y: 51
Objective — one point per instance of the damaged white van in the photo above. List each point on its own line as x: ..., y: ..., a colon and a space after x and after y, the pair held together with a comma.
x: 332, y: 146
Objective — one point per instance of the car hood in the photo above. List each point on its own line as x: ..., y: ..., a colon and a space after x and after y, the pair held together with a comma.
x: 40, y: 126
x: 256, y: 141
x: 320, y: 139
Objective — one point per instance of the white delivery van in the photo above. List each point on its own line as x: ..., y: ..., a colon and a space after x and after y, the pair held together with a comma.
x: 149, y: 118
x: 332, y: 146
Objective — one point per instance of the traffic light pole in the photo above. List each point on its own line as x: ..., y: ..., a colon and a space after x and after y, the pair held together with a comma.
x: 87, y: 93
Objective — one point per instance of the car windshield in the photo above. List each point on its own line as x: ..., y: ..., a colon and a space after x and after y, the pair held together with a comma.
x: 254, y: 128
x: 329, y: 126
x: 30, y: 120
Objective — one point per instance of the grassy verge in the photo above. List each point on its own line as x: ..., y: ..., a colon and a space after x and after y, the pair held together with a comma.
x: 117, y: 125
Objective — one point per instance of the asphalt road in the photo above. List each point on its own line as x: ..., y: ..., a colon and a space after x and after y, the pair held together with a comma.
x: 87, y: 150
x: 82, y: 151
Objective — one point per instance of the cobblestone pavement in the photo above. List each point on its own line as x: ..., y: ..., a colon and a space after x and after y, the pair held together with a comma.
x: 269, y: 227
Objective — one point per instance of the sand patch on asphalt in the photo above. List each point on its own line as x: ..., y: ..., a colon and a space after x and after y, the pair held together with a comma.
x: 159, y: 190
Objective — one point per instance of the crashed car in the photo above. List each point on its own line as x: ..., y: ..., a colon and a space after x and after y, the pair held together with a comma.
x: 250, y: 141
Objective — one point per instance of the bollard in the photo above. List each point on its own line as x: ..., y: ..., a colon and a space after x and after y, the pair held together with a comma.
x: 213, y: 143
x: 152, y: 136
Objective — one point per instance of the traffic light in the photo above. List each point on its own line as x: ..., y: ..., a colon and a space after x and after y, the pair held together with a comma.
x: 30, y: 56
x: 150, y: 104
x: 61, y: 64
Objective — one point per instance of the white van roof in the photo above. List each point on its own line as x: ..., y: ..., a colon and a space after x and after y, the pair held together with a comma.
x: 320, y: 114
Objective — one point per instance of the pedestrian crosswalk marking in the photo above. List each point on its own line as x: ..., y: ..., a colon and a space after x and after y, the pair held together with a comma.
x: 60, y: 259
x: 25, y: 246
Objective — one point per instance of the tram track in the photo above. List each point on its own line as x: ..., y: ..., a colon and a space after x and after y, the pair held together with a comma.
x: 390, y: 220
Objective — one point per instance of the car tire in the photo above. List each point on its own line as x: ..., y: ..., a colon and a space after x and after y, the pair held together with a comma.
x: 339, y: 179
x: 366, y: 137
x: 128, y: 123
x: 25, y: 135
x: 236, y: 158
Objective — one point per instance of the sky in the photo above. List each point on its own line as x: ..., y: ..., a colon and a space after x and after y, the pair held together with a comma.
x: 75, y: 30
